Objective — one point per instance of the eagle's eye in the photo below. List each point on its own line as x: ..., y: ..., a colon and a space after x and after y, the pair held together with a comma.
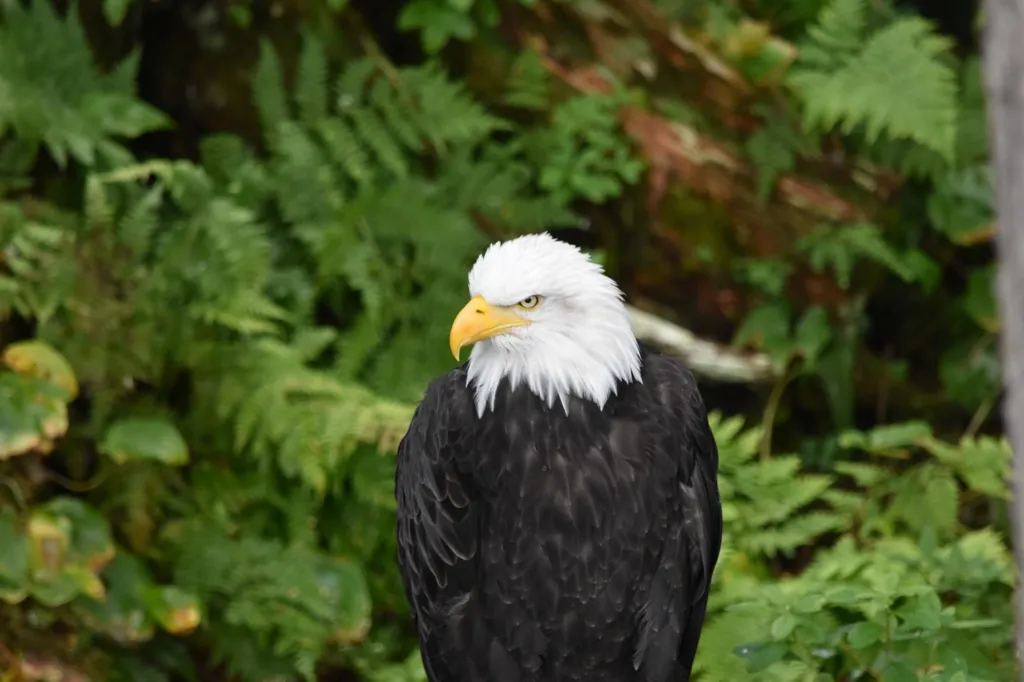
x: 529, y: 302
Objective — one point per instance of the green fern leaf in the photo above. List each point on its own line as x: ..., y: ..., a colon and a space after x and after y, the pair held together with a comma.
x: 377, y: 137
x: 528, y: 82
x: 383, y: 97
x: 306, y: 187
x: 311, y: 88
x: 341, y: 144
x: 65, y: 102
x: 268, y: 91
x: 837, y: 36
x: 917, y: 101
x: 445, y: 112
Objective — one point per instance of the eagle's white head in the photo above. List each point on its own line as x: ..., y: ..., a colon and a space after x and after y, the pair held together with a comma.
x: 543, y: 313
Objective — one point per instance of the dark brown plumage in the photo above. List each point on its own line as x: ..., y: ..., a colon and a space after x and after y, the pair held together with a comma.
x: 542, y: 546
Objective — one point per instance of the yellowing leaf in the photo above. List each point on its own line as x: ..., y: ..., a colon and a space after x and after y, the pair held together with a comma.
x: 50, y: 537
x: 177, y: 611
x: 91, y: 542
x: 71, y: 544
x: 40, y: 359
x: 32, y: 414
x: 148, y: 439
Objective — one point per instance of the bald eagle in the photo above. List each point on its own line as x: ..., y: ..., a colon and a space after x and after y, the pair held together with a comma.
x: 558, y: 509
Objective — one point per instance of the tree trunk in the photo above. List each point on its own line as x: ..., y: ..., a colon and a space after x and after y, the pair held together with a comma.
x: 1004, y: 79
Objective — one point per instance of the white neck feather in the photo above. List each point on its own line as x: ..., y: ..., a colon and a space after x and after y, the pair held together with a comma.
x: 586, y: 352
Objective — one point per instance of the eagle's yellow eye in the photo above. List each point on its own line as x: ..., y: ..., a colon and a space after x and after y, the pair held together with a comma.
x: 529, y: 302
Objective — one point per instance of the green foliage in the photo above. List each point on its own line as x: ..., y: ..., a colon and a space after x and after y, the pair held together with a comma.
x: 440, y: 21
x: 903, y: 589
x: 196, y: 440
x: 65, y: 102
x: 847, y: 78
x: 582, y: 153
x: 209, y: 358
x: 839, y: 248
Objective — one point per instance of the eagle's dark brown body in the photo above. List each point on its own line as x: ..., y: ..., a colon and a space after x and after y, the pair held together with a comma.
x: 544, y: 547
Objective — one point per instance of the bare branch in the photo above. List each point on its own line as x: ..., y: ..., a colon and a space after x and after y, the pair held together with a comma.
x: 704, y: 357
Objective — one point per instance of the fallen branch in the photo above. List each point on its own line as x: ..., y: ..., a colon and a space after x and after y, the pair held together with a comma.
x: 705, y: 358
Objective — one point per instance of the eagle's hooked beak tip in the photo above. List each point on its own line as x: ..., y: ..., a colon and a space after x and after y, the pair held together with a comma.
x: 478, y: 321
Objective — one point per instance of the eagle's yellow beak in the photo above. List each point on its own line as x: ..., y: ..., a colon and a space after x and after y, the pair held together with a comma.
x: 479, y: 321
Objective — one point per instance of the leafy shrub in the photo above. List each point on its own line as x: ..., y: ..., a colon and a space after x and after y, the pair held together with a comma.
x: 197, y: 440
x: 209, y: 361
x: 900, y: 589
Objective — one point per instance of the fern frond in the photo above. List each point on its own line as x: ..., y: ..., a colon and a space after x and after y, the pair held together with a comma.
x: 341, y: 143
x: 284, y: 604
x: 446, y: 113
x: 378, y: 138
x: 382, y: 97
x: 836, y: 36
x: 29, y: 254
x: 311, y: 87
x: 299, y: 419
x: 52, y: 92
x: 528, y: 82
x: 839, y: 247
x: 248, y: 313
x: 916, y: 101
x: 268, y: 92
x: 307, y: 189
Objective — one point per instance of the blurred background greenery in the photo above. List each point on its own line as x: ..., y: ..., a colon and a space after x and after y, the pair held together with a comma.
x: 233, y: 234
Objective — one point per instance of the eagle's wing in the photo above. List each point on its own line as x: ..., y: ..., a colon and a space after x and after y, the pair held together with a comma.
x: 671, y: 621
x: 438, y: 525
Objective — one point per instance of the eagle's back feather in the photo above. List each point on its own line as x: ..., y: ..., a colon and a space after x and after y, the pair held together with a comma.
x: 536, y: 545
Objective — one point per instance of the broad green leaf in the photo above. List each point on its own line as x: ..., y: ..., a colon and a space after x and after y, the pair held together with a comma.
x: 62, y: 586
x: 980, y: 300
x: 864, y: 634
x: 121, y: 614
x: 922, y: 613
x: 783, y: 626
x: 20, y: 428
x: 899, y: 671
x: 888, y: 437
x: 15, y: 560
x: 40, y: 359
x: 115, y: 11
x: 145, y: 439
x: 177, y: 610
x: 813, y: 333
x: 767, y: 328
x: 91, y: 543
x: 71, y: 544
x: 761, y: 656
